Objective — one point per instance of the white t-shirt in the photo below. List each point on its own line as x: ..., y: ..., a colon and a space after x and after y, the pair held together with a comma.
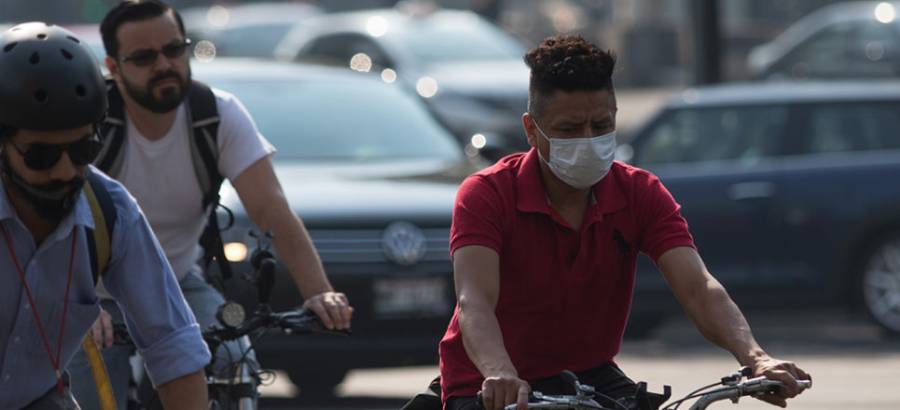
x: 160, y: 175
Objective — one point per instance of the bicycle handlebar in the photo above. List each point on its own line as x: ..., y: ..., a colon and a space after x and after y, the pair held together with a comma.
x: 753, y: 387
x: 732, y: 389
x: 295, y: 321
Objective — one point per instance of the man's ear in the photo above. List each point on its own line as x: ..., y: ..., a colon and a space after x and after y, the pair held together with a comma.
x: 530, y: 131
x: 112, y: 67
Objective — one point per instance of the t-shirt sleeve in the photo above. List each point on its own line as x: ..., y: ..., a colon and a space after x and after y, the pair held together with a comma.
x: 240, y: 142
x: 663, y: 227
x: 477, y: 215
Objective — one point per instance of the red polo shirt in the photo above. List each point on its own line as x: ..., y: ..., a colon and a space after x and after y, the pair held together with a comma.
x: 565, y: 294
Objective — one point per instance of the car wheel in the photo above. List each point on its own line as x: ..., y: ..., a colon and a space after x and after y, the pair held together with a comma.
x: 879, y: 284
x: 317, y: 383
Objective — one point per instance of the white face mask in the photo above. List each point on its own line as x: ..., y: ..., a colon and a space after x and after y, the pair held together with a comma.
x: 580, y: 162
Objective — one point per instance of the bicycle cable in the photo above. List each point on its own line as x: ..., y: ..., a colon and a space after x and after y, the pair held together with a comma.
x: 691, y: 395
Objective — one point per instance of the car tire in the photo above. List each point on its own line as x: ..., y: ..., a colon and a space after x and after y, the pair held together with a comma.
x: 317, y: 383
x: 878, y: 283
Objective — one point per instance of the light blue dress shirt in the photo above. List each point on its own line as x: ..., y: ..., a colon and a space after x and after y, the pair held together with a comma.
x: 138, y: 277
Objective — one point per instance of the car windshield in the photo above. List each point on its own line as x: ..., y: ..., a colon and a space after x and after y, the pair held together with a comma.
x: 436, y: 40
x: 342, y: 121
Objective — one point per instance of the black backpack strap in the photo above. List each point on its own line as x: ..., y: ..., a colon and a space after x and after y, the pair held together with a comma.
x: 99, y: 239
x: 204, y: 119
x: 112, y: 133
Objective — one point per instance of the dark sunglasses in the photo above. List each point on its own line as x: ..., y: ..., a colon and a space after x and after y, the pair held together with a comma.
x: 147, y: 57
x: 40, y: 157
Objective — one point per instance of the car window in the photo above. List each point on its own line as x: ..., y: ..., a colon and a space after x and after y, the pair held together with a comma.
x: 852, y: 127
x: 437, y: 40
x: 342, y: 120
x: 258, y: 40
x: 339, y: 49
x: 745, y: 134
x: 849, y: 49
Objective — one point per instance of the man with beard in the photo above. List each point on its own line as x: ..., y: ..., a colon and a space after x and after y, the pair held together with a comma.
x: 147, y: 58
x: 53, y: 95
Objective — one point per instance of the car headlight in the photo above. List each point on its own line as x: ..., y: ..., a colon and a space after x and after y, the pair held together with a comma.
x: 235, y: 251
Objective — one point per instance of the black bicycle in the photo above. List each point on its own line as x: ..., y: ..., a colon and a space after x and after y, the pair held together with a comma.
x: 240, y: 390
x: 731, y: 387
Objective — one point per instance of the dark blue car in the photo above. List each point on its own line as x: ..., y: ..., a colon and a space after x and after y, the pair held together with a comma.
x: 790, y: 189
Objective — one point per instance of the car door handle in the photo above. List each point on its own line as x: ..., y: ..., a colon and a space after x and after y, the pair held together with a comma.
x: 743, y: 191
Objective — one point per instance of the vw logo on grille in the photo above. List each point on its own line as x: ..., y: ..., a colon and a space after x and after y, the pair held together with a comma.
x: 403, y: 243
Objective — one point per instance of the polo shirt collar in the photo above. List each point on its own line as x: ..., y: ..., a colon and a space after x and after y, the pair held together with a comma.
x: 531, y: 196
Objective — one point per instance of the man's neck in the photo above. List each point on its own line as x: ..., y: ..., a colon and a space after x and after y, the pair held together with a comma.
x: 152, y: 126
x: 560, y: 194
x: 39, y: 227
x: 569, y: 202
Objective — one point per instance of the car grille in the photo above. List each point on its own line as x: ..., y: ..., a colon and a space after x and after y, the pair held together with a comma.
x: 365, y: 246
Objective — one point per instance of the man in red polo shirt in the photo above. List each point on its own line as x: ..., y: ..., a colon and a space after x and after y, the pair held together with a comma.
x: 544, y: 245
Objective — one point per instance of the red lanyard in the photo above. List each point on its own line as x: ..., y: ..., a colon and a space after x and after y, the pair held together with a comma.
x: 54, y: 361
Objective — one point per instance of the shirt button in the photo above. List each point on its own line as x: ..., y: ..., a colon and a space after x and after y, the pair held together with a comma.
x: 27, y: 307
x: 6, y: 378
x: 16, y: 340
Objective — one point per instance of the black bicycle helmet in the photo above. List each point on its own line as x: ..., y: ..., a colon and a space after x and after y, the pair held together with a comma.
x: 48, y: 79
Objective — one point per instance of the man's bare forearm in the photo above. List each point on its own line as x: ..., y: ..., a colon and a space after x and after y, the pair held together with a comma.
x: 483, y: 340
x: 721, y: 322
x: 185, y: 393
x: 296, y: 250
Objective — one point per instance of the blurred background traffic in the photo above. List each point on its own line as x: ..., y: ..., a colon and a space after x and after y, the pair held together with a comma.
x: 775, y: 123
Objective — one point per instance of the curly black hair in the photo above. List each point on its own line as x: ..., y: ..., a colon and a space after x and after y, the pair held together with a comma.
x: 567, y: 63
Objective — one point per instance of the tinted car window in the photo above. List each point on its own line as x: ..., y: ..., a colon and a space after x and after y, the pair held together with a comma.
x: 352, y: 121
x: 338, y: 49
x: 252, y: 40
x: 706, y: 134
x: 852, y: 127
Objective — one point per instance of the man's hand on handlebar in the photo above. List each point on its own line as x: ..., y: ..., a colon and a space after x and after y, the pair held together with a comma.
x: 332, y: 308
x: 786, y: 372
x: 102, y: 330
x: 501, y: 390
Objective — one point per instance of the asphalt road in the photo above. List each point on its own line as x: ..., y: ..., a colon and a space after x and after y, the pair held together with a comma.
x: 852, y: 365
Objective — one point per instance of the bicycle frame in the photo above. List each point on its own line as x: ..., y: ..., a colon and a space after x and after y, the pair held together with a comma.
x: 238, y: 392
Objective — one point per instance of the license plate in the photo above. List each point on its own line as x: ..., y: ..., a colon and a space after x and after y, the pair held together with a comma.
x: 405, y: 298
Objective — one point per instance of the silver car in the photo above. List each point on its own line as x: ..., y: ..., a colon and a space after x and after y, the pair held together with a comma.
x: 374, y: 178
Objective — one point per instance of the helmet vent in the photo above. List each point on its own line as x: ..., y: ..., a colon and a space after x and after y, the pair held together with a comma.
x: 73, y: 39
x: 67, y: 55
x: 42, y: 36
x: 80, y: 91
x: 40, y: 96
x: 9, y: 47
x: 35, y: 58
